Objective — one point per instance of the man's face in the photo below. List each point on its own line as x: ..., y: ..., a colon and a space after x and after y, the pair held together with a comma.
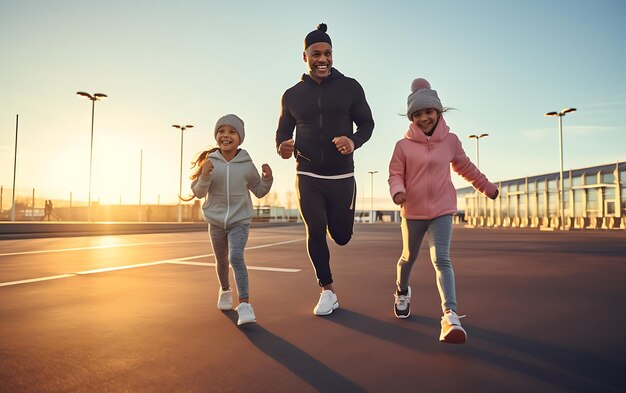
x: 319, y: 57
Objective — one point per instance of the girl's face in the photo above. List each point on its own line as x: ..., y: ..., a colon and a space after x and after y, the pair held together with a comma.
x: 227, y: 138
x: 426, y: 120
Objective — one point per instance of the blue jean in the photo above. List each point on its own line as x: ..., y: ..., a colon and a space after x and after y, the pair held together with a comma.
x: 439, y: 236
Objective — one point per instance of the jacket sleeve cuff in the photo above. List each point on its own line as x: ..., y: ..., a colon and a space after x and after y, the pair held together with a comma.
x: 395, y: 190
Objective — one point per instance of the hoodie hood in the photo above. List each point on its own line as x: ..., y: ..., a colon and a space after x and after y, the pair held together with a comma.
x: 334, y: 74
x: 441, y: 131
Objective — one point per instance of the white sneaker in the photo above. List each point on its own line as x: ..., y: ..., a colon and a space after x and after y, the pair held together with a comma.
x: 451, y: 330
x: 246, y: 313
x: 327, y: 303
x: 225, y: 299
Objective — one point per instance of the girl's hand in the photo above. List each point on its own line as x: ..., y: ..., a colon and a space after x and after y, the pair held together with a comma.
x: 207, y: 168
x: 266, y: 171
x: 399, y: 198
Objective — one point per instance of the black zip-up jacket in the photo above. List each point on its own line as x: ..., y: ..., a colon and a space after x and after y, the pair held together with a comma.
x: 320, y: 112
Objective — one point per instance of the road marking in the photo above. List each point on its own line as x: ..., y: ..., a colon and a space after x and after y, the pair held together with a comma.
x: 104, y: 246
x: 97, y: 247
x: 5, y: 284
x: 269, y: 269
x: 173, y: 261
x: 114, y: 268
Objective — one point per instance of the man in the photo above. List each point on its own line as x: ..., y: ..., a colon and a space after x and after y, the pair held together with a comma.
x: 322, y: 108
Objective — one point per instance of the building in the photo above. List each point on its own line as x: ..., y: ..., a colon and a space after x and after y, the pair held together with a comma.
x: 598, y: 194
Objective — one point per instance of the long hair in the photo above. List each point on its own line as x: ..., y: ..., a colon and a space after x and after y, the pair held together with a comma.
x: 196, y: 167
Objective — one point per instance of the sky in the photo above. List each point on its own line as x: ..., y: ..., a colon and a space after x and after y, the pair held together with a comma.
x: 501, y: 64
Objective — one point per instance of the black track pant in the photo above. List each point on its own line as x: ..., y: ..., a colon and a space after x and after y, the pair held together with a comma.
x: 326, y: 206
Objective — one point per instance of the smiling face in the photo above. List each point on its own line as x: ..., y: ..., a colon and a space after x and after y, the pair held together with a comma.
x: 319, y: 57
x: 227, y: 139
x: 426, y: 120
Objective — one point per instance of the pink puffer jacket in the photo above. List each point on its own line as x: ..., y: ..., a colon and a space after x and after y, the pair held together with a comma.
x: 420, y: 167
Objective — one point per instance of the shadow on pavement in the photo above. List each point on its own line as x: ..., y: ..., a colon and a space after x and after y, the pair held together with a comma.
x: 303, y: 365
x: 566, y: 369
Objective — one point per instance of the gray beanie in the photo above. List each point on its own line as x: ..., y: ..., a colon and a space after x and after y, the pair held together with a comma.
x: 233, y: 121
x: 422, y: 97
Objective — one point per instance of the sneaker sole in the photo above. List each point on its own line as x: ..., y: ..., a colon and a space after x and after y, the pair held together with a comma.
x: 403, y: 316
x: 224, y: 308
x: 333, y: 308
x: 455, y: 336
x: 239, y: 323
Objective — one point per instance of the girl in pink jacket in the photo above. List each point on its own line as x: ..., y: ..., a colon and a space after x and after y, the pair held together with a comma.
x: 419, y: 181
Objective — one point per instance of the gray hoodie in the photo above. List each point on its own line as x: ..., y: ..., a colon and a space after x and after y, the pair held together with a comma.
x: 228, y: 201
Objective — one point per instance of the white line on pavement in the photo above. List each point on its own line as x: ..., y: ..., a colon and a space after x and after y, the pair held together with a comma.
x: 114, y: 268
x: 5, y: 284
x: 178, y: 261
x: 269, y: 269
x: 105, y: 246
x: 97, y: 247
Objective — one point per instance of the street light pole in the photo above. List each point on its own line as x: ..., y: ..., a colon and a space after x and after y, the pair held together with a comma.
x: 372, y: 199
x: 140, y: 183
x: 180, y: 185
x: 477, y: 137
x: 17, y: 120
x: 562, y: 193
x: 93, y: 98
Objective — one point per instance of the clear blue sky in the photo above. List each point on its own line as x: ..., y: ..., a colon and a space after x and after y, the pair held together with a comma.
x: 501, y: 64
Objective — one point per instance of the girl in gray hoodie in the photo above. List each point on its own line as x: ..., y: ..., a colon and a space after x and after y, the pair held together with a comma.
x: 225, y: 175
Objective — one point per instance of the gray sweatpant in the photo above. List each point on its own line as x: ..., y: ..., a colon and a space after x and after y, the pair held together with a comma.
x: 228, y: 245
x: 439, y: 236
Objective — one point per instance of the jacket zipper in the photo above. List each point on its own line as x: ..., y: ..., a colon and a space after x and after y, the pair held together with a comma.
x: 227, y: 194
x: 430, y: 188
x: 319, y: 106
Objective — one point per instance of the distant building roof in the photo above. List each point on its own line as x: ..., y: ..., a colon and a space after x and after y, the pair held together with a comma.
x: 605, y: 168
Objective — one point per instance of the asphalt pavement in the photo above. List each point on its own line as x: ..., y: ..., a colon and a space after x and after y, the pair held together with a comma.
x: 137, y: 313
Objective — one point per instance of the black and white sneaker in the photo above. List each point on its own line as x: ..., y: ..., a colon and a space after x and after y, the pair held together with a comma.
x: 402, y: 304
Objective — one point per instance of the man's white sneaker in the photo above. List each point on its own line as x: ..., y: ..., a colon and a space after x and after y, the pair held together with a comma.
x: 327, y: 303
x: 246, y: 314
x: 225, y: 299
x: 451, y: 330
x: 402, y: 304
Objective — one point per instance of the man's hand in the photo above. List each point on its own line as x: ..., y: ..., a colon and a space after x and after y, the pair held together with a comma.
x: 344, y: 144
x: 285, y: 150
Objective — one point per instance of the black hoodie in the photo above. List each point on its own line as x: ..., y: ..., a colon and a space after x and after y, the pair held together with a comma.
x: 319, y: 113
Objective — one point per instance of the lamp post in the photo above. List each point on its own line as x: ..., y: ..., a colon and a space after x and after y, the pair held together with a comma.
x: 562, y: 193
x: 477, y: 137
x: 140, y: 183
x: 17, y: 121
x: 93, y: 98
x: 180, y: 185
x: 372, y: 199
